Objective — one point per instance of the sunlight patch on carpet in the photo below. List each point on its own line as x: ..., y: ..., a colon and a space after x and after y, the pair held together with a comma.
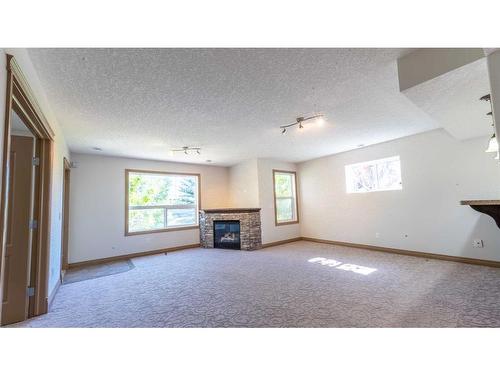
x: 343, y: 266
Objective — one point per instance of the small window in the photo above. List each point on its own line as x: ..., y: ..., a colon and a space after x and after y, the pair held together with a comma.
x: 285, y: 197
x: 160, y: 201
x: 375, y: 175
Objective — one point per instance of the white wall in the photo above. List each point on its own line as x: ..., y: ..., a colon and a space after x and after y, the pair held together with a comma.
x: 251, y: 185
x: 60, y: 151
x: 243, y: 186
x: 427, y: 63
x: 437, y: 172
x: 97, y: 206
x: 271, y: 232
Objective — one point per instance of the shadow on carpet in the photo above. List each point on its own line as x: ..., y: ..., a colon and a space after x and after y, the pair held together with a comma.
x: 75, y: 275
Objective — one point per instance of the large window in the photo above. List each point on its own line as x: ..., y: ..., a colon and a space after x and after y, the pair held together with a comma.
x: 160, y: 201
x: 285, y: 197
x: 375, y: 175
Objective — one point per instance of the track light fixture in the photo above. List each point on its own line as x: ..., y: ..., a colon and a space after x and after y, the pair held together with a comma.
x: 187, y: 150
x: 493, y: 142
x: 300, y: 122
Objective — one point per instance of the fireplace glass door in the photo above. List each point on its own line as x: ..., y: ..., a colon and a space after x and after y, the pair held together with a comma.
x: 227, y: 234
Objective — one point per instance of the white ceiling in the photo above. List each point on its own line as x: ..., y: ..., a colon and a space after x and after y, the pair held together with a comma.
x: 452, y: 99
x: 230, y: 102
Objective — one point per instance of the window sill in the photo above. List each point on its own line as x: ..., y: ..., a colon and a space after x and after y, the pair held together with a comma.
x: 127, y: 233
x: 286, y: 223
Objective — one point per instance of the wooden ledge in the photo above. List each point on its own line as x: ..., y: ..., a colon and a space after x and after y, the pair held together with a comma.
x: 479, y: 202
x: 489, y: 207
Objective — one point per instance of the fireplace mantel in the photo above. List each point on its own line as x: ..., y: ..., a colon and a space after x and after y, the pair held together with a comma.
x: 228, y: 210
x: 250, y: 227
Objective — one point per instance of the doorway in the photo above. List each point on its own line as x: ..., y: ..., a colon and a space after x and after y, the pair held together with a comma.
x: 20, y: 223
x: 25, y: 201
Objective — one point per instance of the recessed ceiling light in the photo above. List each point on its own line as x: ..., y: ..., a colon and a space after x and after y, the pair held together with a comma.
x: 96, y: 148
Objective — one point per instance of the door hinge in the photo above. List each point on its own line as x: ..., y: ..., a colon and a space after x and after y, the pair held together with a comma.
x: 31, y: 291
x: 36, y: 161
x: 33, y: 224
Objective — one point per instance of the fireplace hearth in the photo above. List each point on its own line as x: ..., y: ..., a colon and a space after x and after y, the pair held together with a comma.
x: 230, y: 228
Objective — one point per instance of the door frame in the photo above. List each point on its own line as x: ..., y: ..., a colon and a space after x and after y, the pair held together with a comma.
x: 65, y: 218
x: 20, y: 98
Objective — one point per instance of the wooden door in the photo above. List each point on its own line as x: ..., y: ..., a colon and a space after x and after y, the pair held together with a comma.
x: 18, y: 241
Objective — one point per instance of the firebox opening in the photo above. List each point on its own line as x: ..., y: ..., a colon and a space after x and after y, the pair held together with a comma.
x: 227, y: 234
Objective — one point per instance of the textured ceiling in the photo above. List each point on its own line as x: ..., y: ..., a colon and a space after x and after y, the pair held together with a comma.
x: 452, y: 99
x: 230, y: 102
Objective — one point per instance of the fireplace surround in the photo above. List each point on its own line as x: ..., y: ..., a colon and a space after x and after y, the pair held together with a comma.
x: 248, y: 220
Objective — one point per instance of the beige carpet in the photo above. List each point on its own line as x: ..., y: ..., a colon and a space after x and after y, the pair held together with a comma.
x: 301, y: 284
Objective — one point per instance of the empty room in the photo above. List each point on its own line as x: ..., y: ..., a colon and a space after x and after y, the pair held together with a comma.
x: 254, y: 188
x: 247, y: 185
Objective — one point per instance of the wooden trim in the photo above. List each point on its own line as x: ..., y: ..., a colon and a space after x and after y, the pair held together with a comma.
x: 276, y: 223
x: 282, y: 242
x: 4, y: 184
x: 132, y: 255
x: 41, y: 254
x: 24, y: 98
x: 21, y: 99
x: 53, y: 294
x: 420, y: 254
x: 65, y: 218
x: 173, y: 229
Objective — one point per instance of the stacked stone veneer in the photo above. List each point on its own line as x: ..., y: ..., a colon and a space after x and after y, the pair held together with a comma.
x: 250, y: 229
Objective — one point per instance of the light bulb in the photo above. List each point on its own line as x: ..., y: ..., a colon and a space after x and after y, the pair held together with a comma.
x: 320, y: 121
x: 493, y: 144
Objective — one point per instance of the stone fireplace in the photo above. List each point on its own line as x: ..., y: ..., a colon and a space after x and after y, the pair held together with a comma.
x: 230, y: 228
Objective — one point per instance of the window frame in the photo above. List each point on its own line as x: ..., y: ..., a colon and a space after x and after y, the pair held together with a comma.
x: 295, y: 198
x: 374, y: 162
x: 171, y: 229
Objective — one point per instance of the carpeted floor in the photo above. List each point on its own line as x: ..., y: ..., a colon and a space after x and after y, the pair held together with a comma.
x: 301, y: 284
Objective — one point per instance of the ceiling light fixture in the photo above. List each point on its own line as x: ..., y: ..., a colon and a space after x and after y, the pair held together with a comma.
x: 186, y: 150
x: 493, y: 143
x: 320, y: 121
x: 300, y: 120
